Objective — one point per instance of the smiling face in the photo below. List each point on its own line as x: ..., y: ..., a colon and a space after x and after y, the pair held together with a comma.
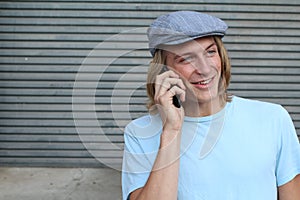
x: 199, y: 63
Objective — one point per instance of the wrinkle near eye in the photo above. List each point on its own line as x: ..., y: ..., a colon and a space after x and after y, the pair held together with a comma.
x: 185, y: 59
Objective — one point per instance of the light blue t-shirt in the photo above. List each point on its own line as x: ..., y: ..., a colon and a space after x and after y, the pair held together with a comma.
x: 243, y: 152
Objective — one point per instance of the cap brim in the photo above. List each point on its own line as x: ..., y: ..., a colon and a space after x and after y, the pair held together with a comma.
x: 185, y: 39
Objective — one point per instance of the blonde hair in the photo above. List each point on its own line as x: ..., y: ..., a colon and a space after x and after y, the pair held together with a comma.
x: 159, y: 61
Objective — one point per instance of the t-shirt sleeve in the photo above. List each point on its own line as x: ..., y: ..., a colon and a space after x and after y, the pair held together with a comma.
x: 137, y: 164
x: 288, y: 158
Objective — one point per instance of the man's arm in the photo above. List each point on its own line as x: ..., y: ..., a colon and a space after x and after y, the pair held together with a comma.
x: 163, y: 180
x: 290, y: 190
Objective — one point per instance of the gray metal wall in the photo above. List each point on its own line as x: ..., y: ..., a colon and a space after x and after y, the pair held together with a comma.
x: 51, y: 80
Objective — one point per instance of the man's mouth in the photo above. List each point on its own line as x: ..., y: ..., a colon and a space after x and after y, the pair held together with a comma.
x: 202, y: 82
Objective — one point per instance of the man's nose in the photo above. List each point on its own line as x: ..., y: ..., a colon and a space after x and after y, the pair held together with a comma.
x: 203, y: 65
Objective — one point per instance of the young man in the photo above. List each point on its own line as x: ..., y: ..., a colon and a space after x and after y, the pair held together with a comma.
x: 212, y: 145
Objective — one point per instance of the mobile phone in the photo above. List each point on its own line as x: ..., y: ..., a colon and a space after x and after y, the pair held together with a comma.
x: 176, y: 102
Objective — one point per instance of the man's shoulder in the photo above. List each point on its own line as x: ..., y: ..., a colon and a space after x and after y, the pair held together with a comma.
x: 255, y: 104
x: 144, y: 125
x: 144, y: 120
x: 258, y: 109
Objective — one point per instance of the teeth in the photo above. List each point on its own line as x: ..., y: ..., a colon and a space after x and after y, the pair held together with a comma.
x: 205, y: 82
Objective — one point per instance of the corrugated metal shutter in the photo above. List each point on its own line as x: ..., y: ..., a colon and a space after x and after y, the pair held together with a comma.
x: 51, y: 79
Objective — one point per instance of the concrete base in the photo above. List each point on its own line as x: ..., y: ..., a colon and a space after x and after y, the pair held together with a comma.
x: 59, y: 184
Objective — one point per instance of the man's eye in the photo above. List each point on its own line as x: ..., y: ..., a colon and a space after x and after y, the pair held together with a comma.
x: 211, y: 52
x: 185, y: 59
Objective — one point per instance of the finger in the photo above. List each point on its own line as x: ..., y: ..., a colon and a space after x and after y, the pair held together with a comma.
x: 169, y: 82
x: 161, y: 77
x: 175, y: 90
x: 167, y: 97
x: 166, y: 85
x: 168, y: 73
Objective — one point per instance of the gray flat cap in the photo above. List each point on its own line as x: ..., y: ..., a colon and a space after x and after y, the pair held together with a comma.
x: 183, y: 26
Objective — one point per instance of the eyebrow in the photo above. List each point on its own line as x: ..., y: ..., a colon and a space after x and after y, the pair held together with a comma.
x: 209, y: 46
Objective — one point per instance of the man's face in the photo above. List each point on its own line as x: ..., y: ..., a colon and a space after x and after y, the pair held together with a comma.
x: 199, y: 64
